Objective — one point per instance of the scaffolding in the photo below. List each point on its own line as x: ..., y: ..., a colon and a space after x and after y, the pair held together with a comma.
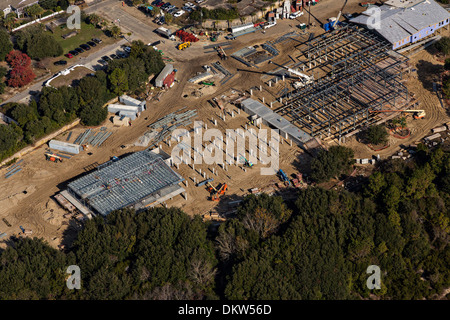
x: 360, y: 73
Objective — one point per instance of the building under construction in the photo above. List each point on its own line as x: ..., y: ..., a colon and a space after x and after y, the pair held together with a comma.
x: 142, y: 179
x: 356, y: 74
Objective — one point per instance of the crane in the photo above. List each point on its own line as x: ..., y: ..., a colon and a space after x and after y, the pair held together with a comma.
x: 221, y: 52
x: 211, y: 188
x: 297, y: 73
x: 305, y: 79
x: 284, y: 177
x: 339, y: 15
x: 418, y: 114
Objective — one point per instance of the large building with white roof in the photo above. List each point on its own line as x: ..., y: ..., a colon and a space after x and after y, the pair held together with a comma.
x: 404, y: 22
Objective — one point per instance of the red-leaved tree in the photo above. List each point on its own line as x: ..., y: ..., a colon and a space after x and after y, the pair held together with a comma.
x: 20, y: 76
x: 17, y: 58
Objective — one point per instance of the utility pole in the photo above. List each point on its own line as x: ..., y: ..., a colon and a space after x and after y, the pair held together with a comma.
x: 309, y: 13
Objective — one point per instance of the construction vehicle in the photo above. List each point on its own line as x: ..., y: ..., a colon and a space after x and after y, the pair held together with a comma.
x: 284, y: 177
x: 247, y: 163
x: 305, y: 79
x: 418, y: 114
x: 221, y: 53
x: 210, y: 188
x: 52, y: 157
x: 184, y: 45
x: 208, y: 83
x: 339, y: 15
x: 220, y: 190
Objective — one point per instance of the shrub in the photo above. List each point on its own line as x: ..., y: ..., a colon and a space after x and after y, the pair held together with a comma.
x: 443, y: 45
x: 376, y: 134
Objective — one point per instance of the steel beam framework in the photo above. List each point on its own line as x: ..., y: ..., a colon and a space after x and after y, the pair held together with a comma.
x: 363, y: 75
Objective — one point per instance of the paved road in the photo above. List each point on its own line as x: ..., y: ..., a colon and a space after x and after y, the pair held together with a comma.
x: 89, y: 61
x: 113, y: 11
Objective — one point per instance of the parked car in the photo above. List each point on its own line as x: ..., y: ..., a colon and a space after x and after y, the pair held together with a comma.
x: 79, y: 50
x: 160, y: 4
x: 96, y: 40
x: 69, y: 55
x: 103, y: 62
x: 91, y: 43
x: 85, y: 47
x: 60, y: 62
x: 73, y: 52
x: 122, y: 54
x: 172, y: 11
x: 106, y: 58
x: 127, y: 49
x: 179, y: 13
x: 199, y: 1
x: 114, y: 56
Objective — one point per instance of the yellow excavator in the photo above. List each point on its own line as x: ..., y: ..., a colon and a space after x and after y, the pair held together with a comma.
x: 418, y: 114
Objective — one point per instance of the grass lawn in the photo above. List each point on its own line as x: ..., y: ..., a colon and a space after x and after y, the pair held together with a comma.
x: 86, y: 33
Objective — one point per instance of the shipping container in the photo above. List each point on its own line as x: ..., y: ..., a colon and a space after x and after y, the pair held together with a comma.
x: 114, y: 108
x: 64, y: 146
x: 159, y: 81
x: 130, y: 114
x: 133, y: 102
x: 241, y: 27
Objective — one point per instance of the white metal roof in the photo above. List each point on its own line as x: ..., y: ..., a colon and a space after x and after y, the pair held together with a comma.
x: 399, y: 23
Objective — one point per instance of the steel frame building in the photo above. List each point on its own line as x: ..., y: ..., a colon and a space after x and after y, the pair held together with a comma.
x: 361, y: 74
x: 139, y: 180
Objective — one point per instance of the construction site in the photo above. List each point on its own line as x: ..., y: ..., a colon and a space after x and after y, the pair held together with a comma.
x: 318, y: 88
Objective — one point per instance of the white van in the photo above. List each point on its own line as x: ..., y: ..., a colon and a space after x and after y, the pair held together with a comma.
x: 295, y: 14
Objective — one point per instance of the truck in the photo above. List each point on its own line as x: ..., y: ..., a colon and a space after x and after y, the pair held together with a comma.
x: 296, y: 14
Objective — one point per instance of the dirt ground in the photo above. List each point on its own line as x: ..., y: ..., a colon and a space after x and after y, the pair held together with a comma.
x: 27, y: 197
x: 71, y: 79
x: 420, y: 84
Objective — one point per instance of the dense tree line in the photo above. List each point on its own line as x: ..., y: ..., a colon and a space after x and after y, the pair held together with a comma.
x: 55, y: 5
x: 318, y: 247
x: 59, y: 106
x: 37, y: 43
x: 214, y: 14
x: 5, y: 44
x: 331, y: 163
x: 159, y: 254
x: 3, y: 73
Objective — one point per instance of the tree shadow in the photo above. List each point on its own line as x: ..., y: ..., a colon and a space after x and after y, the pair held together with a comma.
x: 302, y: 161
x: 428, y: 73
x: 70, y: 234
x: 228, y: 204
